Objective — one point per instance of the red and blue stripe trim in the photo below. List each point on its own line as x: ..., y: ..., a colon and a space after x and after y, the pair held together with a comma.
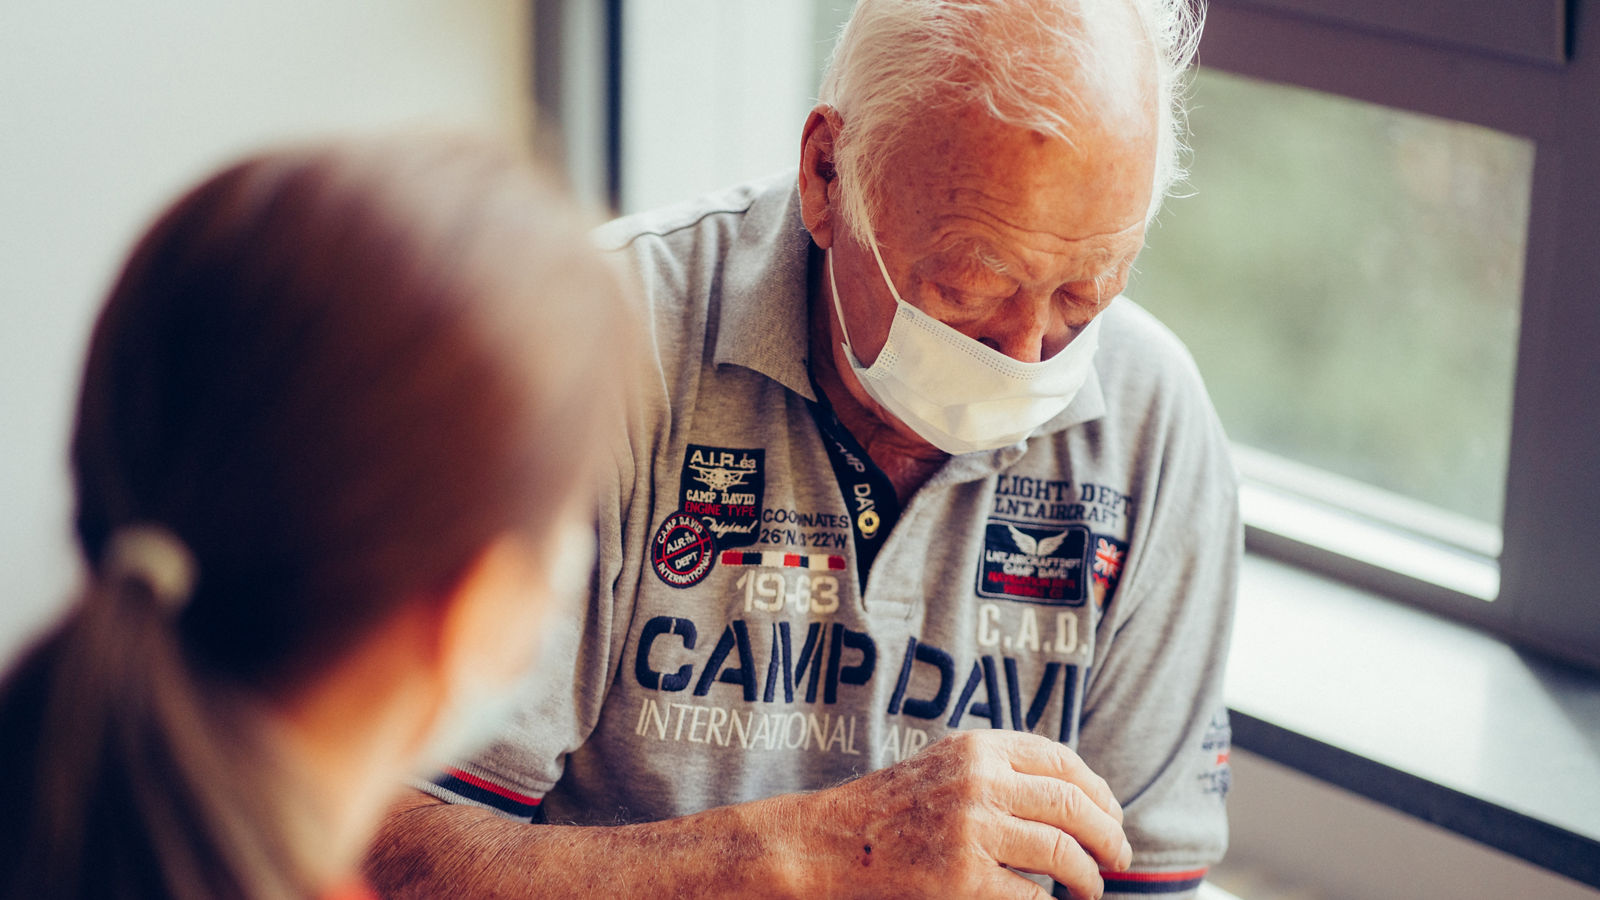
x: 481, y: 790
x: 1153, y: 882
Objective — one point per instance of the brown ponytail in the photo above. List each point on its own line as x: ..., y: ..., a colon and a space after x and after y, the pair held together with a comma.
x: 127, y: 734
x: 332, y: 374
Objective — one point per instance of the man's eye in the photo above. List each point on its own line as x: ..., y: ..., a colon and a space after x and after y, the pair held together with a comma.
x: 1093, y: 291
x: 957, y: 296
x: 971, y: 296
x: 1077, y: 296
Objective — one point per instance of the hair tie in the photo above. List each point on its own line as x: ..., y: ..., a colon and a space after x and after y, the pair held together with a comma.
x: 155, y: 556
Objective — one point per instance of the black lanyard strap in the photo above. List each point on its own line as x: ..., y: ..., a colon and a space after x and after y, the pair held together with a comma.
x: 868, y: 493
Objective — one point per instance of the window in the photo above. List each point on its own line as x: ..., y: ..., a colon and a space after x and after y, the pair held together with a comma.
x: 1348, y: 277
x: 1515, y: 76
x: 1387, y: 274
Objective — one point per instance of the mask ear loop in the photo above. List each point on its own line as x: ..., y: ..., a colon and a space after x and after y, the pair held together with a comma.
x: 833, y: 286
x: 884, y: 271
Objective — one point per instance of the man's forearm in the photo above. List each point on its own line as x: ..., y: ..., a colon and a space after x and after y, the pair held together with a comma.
x: 431, y: 849
x: 952, y: 820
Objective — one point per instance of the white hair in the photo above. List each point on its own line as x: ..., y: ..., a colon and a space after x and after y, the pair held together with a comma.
x: 1021, y: 60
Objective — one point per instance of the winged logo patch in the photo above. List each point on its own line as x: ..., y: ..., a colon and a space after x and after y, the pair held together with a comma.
x: 1036, y: 546
x: 1034, y: 565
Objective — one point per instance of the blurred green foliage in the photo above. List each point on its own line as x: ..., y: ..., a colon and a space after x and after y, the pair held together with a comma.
x: 1348, y: 278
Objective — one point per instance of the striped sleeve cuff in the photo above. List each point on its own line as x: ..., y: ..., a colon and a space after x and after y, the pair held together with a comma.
x: 461, y: 786
x: 1152, y: 883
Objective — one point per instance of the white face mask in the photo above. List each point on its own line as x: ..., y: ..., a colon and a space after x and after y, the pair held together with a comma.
x: 959, y: 394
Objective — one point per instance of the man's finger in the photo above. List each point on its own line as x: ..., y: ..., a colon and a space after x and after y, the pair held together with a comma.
x: 1042, y: 756
x: 1046, y: 850
x: 1067, y: 807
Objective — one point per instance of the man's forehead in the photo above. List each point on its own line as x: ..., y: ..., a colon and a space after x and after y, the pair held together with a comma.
x: 1070, y: 210
x: 966, y: 162
x: 1084, y: 215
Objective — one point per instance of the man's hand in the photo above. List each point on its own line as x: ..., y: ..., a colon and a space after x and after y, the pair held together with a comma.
x: 946, y: 822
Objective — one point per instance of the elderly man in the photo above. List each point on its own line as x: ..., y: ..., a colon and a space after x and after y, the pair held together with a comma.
x: 918, y: 569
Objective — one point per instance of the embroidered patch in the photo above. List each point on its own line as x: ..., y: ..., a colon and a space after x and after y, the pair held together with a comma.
x: 724, y: 487
x: 1105, y: 568
x: 1216, y: 745
x: 683, y: 551
x: 1033, y: 564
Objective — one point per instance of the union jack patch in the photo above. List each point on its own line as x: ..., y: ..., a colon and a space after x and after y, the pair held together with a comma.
x: 1109, y: 556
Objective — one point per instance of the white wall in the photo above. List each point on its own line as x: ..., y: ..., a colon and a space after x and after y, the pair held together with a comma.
x: 108, y: 108
x: 714, y: 92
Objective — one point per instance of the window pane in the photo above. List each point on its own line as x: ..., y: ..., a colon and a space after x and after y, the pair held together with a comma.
x: 1348, y: 278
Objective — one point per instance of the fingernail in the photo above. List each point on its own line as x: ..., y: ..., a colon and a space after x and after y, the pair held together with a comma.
x: 1125, y: 858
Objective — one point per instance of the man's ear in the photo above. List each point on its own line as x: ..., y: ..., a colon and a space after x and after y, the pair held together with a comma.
x: 819, y: 191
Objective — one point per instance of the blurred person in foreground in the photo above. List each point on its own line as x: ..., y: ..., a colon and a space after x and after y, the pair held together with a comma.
x: 920, y: 573
x: 329, y: 493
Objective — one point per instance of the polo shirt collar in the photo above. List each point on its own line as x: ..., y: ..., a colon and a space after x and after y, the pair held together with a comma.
x: 763, y: 321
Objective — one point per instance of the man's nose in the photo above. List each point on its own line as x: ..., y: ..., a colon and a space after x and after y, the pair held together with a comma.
x: 1027, y: 330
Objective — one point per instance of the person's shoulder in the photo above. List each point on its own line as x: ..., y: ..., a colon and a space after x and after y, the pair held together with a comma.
x: 717, y: 213
x: 677, y: 255
x: 25, y: 686
x: 25, y: 693
x: 684, y: 262
x: 1140, y: 355
x: 1152, y: 388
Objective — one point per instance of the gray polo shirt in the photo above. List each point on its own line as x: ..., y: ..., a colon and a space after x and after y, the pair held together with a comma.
x: 1078, y: 585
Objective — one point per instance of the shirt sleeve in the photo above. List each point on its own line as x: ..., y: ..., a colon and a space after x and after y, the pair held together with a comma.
x: 560, y: 702
x: 1154, y: 723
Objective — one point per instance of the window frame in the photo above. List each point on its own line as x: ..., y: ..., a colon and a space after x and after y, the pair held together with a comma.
x: 1549, y: 564
x: 577, y: 92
